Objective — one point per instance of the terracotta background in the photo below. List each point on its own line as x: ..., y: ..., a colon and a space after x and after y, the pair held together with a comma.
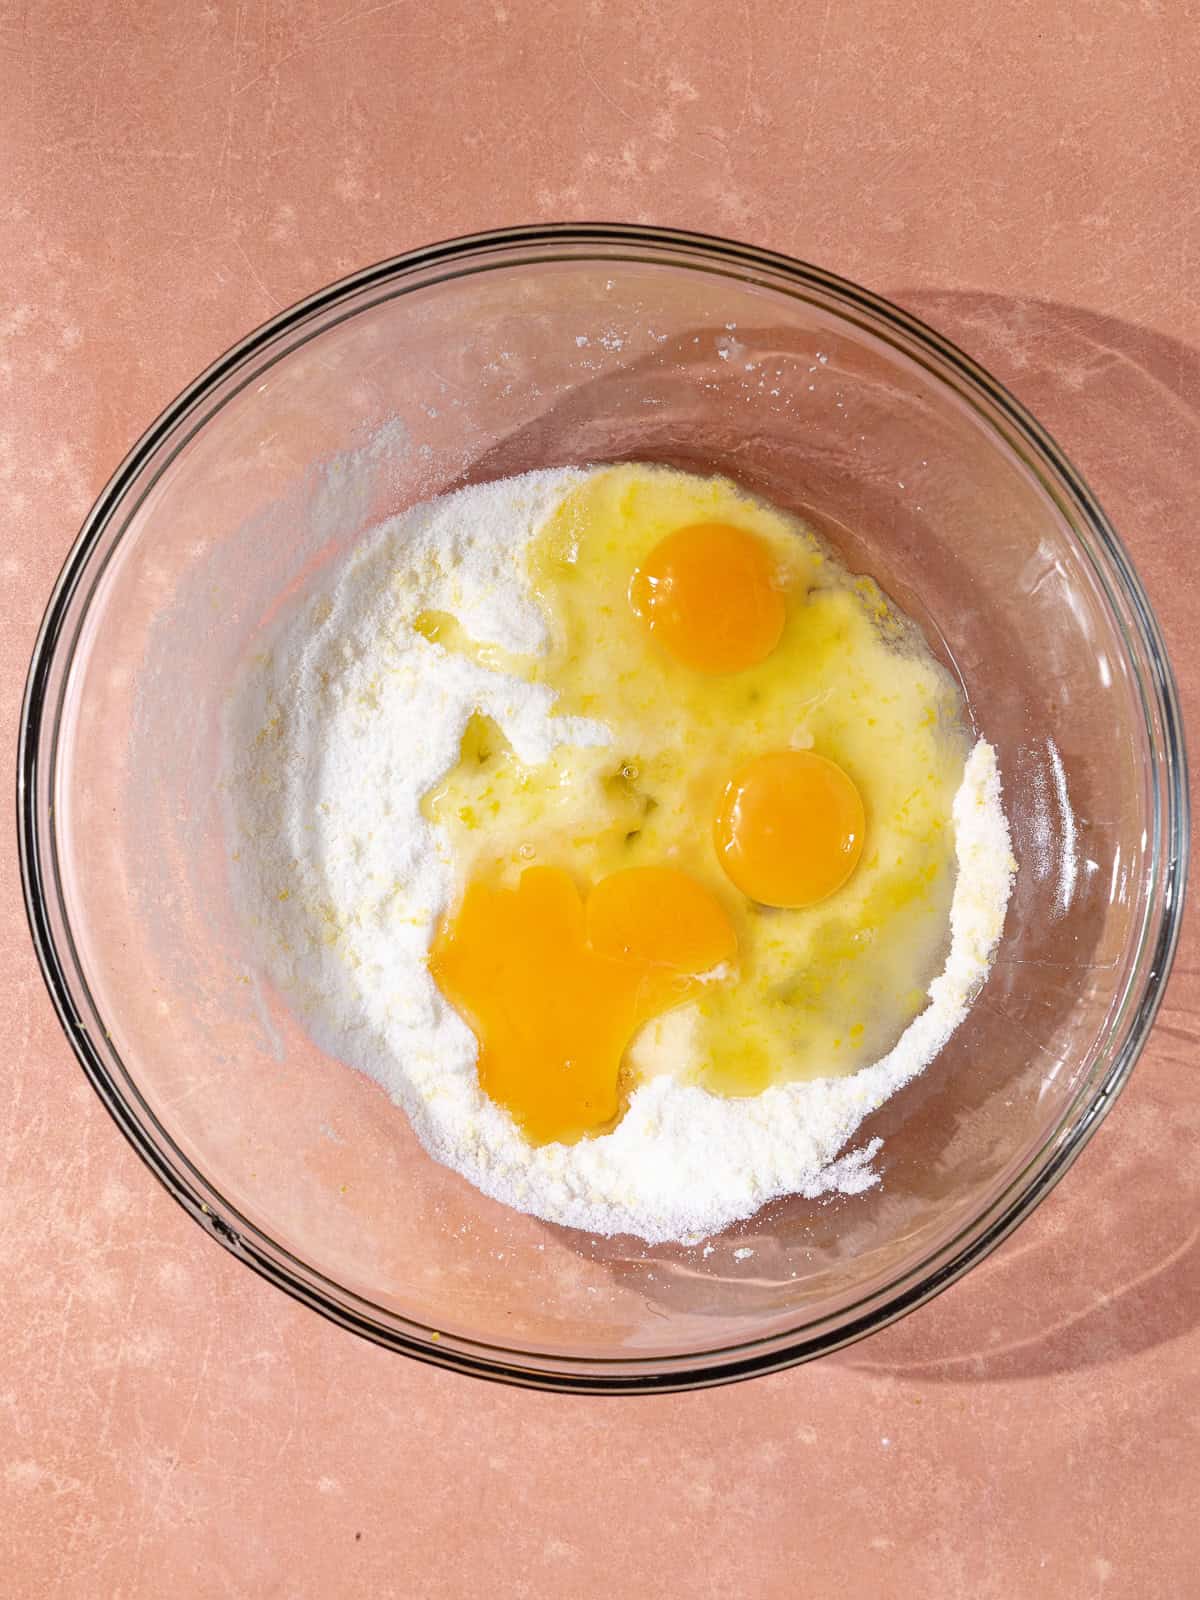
x: 1023, y: 175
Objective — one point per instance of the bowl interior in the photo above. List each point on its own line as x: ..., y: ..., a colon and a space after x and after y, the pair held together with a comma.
x: 414, y: 384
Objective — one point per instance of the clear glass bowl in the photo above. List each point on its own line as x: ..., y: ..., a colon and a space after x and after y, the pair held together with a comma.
x: 532, y: 348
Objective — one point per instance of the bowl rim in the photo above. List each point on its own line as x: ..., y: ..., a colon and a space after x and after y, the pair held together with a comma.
x: 914, y: 1285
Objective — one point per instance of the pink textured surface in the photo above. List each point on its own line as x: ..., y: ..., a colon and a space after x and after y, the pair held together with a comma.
x: 170, y: 176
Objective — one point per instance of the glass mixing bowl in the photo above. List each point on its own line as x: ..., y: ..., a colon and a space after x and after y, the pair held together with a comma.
x: 532, y: 348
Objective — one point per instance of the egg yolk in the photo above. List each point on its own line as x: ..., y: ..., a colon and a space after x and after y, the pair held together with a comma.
x: 709, y: 594
x: 789, y: 828
x: 554, y: 988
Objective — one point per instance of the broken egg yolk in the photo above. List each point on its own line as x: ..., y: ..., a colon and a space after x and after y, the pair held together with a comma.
x: 554, y: 987
x: 709, y: 593
x: 789, y: 828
